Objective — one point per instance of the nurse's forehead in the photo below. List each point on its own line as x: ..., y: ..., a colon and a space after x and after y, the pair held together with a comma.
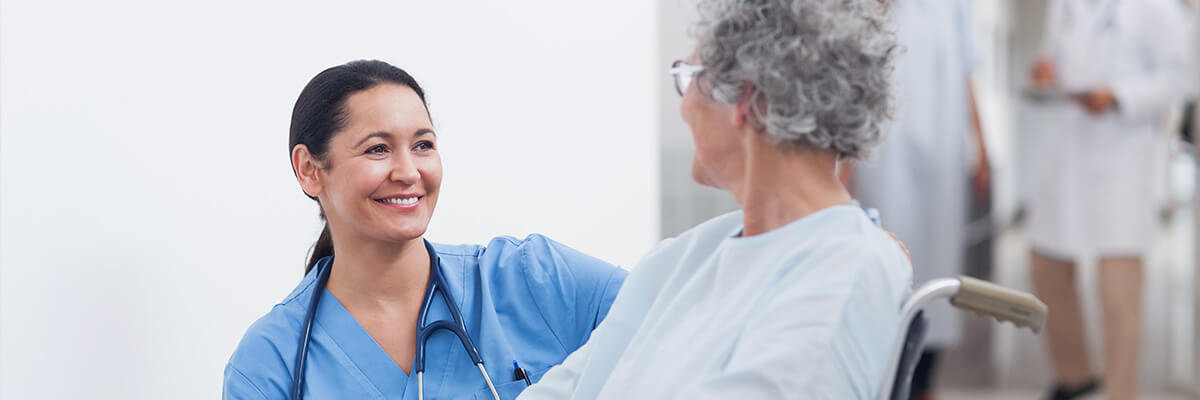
x: 386, y: 107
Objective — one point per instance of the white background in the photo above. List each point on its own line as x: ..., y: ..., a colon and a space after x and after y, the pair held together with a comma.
x: 148, y: 213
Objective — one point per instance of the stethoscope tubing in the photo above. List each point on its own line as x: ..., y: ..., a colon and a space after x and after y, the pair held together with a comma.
x: 306, y: 332
x: 437, y: 284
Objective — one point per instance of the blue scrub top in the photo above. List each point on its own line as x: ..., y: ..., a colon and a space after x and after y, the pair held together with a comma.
x: 533, y: 301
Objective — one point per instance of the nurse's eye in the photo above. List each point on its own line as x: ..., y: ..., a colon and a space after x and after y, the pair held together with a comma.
x: 423, y: 145
x: 377, y: 149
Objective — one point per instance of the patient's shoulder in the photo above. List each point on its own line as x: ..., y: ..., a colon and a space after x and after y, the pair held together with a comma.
x: 847, y: 247
x: 707, y: 234
x: 723, y: 226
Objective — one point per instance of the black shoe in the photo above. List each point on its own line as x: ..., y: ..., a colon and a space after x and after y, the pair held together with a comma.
x: 1061, y: 392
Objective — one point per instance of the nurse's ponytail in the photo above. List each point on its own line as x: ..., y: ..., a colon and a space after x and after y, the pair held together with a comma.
x: 320, y: 113
x: 323, y: 248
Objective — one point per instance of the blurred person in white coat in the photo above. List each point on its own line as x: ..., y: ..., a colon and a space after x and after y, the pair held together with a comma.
x: 1118, y: 68
x: 920, y: 179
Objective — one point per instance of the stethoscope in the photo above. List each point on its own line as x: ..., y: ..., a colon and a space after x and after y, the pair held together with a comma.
x: 437, y: 284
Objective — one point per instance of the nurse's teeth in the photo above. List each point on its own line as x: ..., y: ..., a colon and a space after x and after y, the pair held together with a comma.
x: 401, y: 201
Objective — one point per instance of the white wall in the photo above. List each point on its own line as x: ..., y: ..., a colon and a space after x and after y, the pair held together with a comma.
x: 685, y: 203
x: 148, y: 213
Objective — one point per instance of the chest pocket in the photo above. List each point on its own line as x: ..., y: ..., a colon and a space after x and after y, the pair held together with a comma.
x: 509, y: 389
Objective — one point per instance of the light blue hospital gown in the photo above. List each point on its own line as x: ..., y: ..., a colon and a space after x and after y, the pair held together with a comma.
x: 809, y: 310
x: 534, y: 301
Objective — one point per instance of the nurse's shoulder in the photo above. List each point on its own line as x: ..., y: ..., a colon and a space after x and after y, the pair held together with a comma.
x: 541, y: 259
x: 571, y: 290
x: 261, y: 366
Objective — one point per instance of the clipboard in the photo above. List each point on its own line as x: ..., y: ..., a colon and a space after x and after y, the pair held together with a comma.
x: 1049, y: 94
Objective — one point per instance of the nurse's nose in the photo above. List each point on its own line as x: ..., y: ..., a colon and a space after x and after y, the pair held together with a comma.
x: 404, y: 170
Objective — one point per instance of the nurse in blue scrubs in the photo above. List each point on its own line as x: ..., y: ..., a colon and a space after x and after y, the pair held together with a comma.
x: 364, y: 147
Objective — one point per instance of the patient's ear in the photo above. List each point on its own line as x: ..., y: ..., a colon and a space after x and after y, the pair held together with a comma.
x: 308, y: 170
x: 742, y: 114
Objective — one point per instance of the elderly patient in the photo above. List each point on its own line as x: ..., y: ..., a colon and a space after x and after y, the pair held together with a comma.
x: 797, y: 294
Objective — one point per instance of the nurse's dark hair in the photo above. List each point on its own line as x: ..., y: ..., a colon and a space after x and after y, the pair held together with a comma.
x: 320, y: 112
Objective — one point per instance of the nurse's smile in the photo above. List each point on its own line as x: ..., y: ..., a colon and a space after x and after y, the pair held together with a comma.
x: 401, y: 202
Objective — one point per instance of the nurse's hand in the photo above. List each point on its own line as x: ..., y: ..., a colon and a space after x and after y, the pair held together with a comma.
x: 902, y: 247
x: 1043, y: 73
x: 1098, y: 101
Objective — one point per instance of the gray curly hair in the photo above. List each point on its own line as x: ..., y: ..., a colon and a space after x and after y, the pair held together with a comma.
x: 818, y: 71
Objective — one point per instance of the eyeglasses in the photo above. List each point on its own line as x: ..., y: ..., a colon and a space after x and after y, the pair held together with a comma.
x: 684, y: 74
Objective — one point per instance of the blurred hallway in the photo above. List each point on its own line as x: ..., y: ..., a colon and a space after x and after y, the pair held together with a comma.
x: 1019, y: 367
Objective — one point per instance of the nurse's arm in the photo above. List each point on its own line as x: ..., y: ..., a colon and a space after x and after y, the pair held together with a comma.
x: 238, y: 387
x: 560, y: 382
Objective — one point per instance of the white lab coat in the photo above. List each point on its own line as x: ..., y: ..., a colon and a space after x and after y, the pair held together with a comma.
x: 1097, y: 176
x: 919, y: 177
x: 806, y: 311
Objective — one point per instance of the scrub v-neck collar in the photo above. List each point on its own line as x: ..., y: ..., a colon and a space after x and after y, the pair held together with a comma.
x: 443, y: 350
x: 360, y: 348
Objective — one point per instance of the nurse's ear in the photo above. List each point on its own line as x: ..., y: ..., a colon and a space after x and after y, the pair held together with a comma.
x: 306, y: 168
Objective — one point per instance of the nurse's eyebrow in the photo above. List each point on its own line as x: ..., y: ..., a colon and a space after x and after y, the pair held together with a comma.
x: 388, y: 136
x: 384, y: 135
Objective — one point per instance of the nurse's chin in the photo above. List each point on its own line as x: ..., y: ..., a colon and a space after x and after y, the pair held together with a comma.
x: 405, y: 237
x: 399, y: 230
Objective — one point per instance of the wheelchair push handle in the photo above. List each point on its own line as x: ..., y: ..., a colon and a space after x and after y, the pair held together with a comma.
x: 1001, y: 303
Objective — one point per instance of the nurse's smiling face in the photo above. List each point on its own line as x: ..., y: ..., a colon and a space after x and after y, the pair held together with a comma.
x: 382, y: 172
